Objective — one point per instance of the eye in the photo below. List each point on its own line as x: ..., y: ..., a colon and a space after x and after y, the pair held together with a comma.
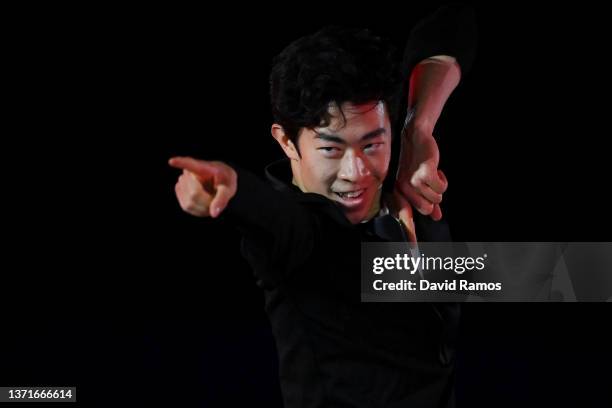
x: 371, y: 147
x: 329, y: 151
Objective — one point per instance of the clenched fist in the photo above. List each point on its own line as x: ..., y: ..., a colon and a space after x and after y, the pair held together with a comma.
x: 205, y: 187
x: 419, y: 178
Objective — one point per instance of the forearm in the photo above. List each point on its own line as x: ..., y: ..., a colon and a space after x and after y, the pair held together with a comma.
x: 258, y: 208
x: 279, y: 233
x: 431, y: 83
x: 256, y: 204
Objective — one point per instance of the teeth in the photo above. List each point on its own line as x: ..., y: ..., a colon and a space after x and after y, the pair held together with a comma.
x: 352, y: 194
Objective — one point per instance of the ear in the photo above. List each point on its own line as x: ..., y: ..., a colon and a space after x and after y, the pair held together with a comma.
x: 285, y: 143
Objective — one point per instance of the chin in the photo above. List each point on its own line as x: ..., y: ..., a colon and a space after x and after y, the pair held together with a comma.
x: 356, y: 217
x: 355, y: 214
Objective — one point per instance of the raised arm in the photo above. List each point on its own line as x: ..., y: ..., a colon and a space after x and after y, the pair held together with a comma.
x: 440, y: 49
x: 419, y: 179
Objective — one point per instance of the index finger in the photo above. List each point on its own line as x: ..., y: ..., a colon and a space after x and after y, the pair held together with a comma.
x: 198, y: 167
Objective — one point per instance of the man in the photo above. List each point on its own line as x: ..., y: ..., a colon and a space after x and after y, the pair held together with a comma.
x: 336, y: 97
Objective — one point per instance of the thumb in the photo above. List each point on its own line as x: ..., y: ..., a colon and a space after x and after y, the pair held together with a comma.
x: 404, y: 213
x: 220, y: 200
x: 408, y: 222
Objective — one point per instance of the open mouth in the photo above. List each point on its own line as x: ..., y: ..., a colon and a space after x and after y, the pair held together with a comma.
x: 350, y: 194
x: 351, y: 199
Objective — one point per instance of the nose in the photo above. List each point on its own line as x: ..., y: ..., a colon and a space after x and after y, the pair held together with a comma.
x: 353, y: 167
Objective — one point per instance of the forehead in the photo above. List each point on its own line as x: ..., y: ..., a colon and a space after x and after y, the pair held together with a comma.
x: 350, y: 117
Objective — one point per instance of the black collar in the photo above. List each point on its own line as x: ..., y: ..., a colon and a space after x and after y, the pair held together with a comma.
x: 280, y: 176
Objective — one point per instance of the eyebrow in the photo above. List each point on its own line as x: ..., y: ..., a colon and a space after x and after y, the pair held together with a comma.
x: 337, y: 139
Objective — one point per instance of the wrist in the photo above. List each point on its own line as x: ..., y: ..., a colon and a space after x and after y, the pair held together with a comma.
x: 423, y: 125
x: 419, y: 128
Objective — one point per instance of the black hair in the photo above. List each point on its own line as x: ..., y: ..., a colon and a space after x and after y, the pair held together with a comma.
x: 333, y: 65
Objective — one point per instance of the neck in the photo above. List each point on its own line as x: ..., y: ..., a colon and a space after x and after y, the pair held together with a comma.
x: 298, y: 185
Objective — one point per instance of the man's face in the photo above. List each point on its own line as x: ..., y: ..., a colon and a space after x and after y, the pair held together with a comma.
x: 347, y: 161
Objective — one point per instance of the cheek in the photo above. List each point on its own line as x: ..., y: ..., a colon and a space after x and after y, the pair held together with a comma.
x: 319, y: 172
x: 380, y: 164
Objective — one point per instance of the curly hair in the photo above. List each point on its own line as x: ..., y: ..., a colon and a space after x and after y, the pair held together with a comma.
x: 333, y: 65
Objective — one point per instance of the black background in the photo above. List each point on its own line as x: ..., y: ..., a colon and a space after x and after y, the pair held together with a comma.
x: 108, y: 285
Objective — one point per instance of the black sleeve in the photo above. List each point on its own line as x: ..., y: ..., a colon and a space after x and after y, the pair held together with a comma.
x: 278, y: 232
x: 451, y: 30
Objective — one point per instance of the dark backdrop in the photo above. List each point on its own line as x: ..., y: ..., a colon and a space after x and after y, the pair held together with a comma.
x: 110, y: 287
